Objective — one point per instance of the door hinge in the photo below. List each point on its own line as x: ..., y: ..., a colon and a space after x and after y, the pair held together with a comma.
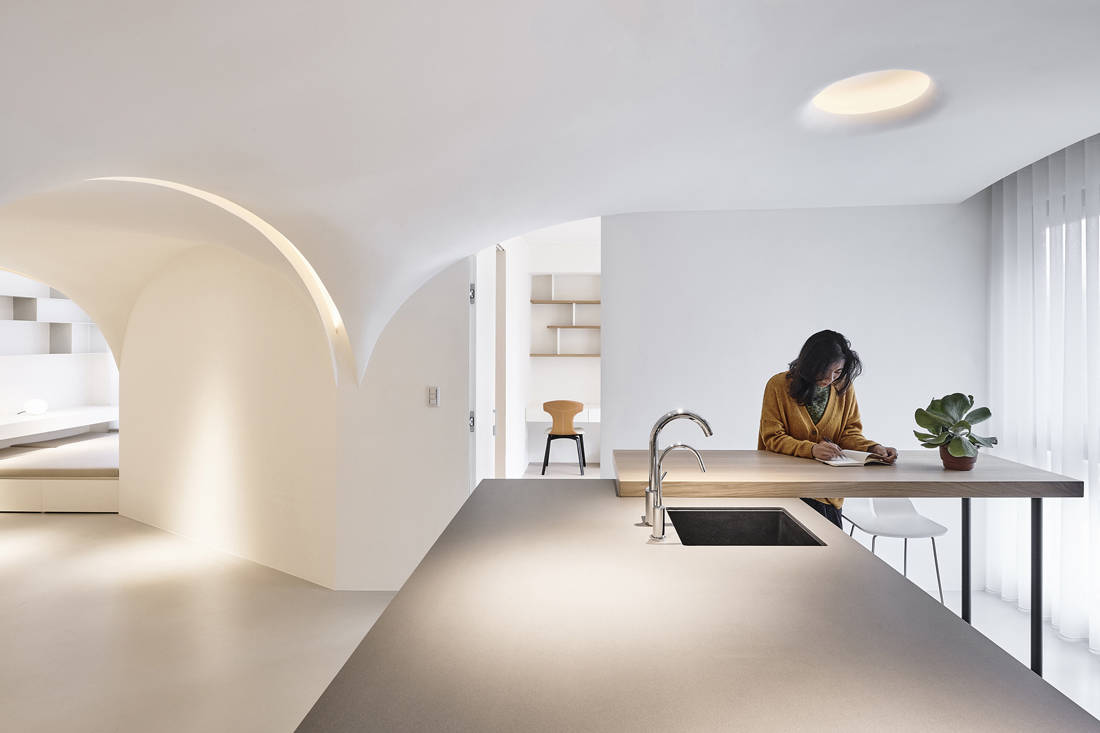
x: 473, y: 293
x: 473, y: 421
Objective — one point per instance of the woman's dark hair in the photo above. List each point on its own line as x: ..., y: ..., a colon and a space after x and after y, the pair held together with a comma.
x: 819, y: 352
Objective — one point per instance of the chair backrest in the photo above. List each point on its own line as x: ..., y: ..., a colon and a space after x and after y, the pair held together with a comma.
x: 859, y: 510
x: 562, y: 412
x: 893, y: 507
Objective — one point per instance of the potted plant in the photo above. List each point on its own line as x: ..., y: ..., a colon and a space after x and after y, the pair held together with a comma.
x: 949, y: 422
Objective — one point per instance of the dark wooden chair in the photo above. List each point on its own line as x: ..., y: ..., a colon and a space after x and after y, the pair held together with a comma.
x: 562, y: 412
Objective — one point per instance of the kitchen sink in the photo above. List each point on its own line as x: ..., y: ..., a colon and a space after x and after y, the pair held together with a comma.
x: 739, y: 526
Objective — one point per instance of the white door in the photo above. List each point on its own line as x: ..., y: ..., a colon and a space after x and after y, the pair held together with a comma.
x: 500, y: 372
x: 482, y: 358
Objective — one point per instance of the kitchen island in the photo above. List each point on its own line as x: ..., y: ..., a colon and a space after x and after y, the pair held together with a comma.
x: 544, y: 607
x: 916, y: 473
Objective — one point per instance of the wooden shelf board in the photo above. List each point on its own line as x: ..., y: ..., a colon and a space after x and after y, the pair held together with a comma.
x: 540, y: 301
x: 584, y: 355
x: 596, y: 327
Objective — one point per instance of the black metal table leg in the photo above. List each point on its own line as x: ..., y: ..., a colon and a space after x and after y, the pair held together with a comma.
x: 1037, y: 586
x: 966, y: 559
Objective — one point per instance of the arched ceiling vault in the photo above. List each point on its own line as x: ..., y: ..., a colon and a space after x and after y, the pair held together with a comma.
x: 386, y: 139
x: 327, y: 313
x: 102, y: 242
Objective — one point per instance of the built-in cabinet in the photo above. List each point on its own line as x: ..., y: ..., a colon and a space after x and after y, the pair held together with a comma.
x: 565, y: 315
x: 35, y: 319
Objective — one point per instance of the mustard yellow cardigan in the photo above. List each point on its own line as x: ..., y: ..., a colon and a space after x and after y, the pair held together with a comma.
x: 786, y: 427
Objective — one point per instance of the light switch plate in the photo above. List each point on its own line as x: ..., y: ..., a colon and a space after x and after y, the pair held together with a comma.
x: 433, y: 396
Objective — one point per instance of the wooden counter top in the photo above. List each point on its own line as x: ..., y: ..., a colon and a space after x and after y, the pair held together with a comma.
x: 751, y: 473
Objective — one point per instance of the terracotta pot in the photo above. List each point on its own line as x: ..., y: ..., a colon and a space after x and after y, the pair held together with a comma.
x: 956, y: 464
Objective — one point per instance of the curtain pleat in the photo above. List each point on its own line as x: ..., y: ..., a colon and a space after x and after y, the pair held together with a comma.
x: 1091, y: 204
x: 1074, y: 570
x: 1044, y: 378
x: 992, y: 511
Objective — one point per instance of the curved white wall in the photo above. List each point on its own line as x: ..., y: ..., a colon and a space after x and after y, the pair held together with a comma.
x: 238, y: 437
x: 101, y: 243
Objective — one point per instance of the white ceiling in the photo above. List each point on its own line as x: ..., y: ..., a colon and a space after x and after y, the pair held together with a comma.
x: 387, y: 139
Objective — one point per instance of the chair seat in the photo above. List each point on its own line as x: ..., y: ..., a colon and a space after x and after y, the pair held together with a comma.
x: 576, y: 431
x: 905, y: 522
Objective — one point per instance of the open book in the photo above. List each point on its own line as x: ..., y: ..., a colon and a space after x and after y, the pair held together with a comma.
x: 855, y: 458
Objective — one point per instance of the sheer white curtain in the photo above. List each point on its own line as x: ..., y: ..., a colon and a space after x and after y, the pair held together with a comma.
x: 1045, y: 380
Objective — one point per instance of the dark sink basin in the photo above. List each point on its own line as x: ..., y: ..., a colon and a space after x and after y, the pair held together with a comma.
x: 739, y: 526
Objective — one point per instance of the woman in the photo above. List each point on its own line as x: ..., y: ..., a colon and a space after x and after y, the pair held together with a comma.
x: 810, y: 410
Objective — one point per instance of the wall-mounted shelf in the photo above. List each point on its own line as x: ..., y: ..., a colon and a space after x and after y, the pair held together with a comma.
x: 579, y: 291
x: 49, y: 323
x: 47, y: 310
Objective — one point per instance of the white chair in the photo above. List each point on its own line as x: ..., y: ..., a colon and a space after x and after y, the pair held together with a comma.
x: 894, y: 518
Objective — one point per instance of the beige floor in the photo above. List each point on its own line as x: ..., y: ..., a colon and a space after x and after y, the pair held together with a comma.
x: 562, y: 470
x: 111, y: 625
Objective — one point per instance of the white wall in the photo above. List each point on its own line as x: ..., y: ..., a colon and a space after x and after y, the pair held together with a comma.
x: 517, y: 358
x: 484, y: 333
x: 570, y: 247
x: 246, y: 444
x: 63, y: 380
x: 700, y: 309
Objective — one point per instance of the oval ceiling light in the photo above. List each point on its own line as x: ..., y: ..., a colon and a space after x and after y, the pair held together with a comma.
x: 875, y: 91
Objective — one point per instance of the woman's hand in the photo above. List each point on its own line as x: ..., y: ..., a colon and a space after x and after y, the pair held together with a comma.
x: 826, y: 451
x: 889, y: 455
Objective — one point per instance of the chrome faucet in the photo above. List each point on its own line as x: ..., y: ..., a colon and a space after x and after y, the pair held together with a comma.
x: 658, y: 532
x: 653, y: 458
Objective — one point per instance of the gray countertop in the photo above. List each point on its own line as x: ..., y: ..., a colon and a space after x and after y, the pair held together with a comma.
x: 542, y: 607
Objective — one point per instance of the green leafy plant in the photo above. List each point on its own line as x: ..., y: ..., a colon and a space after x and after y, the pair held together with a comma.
x: 949, y: 421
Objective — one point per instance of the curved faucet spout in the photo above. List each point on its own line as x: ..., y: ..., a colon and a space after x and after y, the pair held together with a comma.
x: 658, y: 532
x: 678, y: 446
x: 677, y: 415
x: 653, y: 457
